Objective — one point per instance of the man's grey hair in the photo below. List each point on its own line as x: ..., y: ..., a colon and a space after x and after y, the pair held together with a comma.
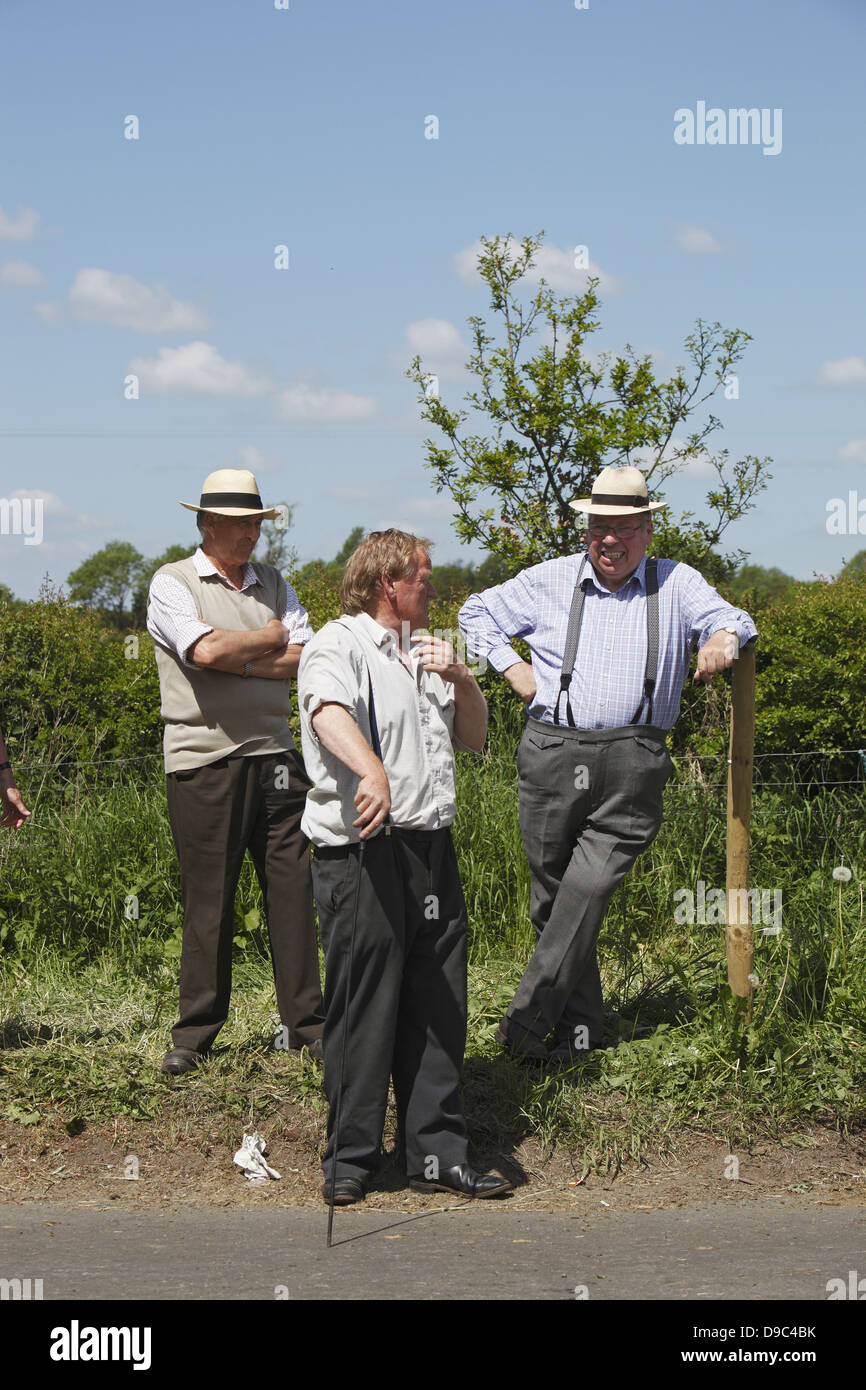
x: 199, y: 521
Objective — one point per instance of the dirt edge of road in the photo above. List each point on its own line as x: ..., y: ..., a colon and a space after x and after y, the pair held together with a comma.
x: 138, y: 1164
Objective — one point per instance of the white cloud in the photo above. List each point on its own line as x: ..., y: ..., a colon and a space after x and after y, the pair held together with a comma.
x: 844, y: 371
x: 368, y: 492
x: 853, y: 452
x: 20, y: 228
x: 196, y: 369
x: 696, y: 240
x: 698, y: 467
x: 64, y: 519
x: 101, y: 296
x: 251, y: 458
x: 554, y: 264
x: 429, y: 506
x: 439, y: 345
x: 50, y: 311
x: 51, y: 503
x: 21, y: 274
x: 311, y: 403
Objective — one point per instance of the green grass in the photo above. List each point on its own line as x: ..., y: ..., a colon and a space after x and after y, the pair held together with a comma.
x: 89, y: 991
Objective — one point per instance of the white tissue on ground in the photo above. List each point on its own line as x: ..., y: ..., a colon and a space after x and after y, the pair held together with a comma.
x: 250, y: 1157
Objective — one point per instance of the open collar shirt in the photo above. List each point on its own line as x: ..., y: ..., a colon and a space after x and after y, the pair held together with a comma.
x: 607, y: 685
x: 415, y: 718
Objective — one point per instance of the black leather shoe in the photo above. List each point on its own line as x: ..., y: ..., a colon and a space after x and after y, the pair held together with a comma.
x: 565, y: 1052
x: 346, y: 1191
x: 315, y: 1050
x: 465, y: 1181
x: 181, y: 1059
x: 517, y: 1040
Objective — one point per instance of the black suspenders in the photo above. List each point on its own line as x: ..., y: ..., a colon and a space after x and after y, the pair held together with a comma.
x: 572, y: 637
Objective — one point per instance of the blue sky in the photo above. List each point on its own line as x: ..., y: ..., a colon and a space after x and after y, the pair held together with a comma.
x: 305, y: 127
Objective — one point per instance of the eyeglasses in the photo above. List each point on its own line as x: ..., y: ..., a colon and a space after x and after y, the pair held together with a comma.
x: 598, y: 529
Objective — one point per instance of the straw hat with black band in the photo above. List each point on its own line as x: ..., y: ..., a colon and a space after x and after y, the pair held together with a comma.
x: 618, y: 490
x: 232, y: 492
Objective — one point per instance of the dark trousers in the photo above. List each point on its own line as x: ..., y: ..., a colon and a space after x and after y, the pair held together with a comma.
x: 590, y: 801
x: 217, y: 813
x: 407, y: 997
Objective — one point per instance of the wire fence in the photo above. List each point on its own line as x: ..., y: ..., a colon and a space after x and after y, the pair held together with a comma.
x: 695, y: 773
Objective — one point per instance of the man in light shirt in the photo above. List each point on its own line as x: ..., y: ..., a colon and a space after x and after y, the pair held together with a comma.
x: 228, y: 635
x: 593, y: 762
x: 373, y: 680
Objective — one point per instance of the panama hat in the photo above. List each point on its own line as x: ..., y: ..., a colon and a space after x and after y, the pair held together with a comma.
x: 231, y: 492
x: 620, y: 490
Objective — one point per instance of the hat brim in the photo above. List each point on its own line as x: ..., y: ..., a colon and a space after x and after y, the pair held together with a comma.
x: 586, y: 504
x: 265, y: 513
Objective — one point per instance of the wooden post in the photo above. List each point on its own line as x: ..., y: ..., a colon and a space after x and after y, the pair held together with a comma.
x: 739, y: 940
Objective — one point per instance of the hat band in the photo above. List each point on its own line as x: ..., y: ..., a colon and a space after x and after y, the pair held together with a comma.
x: 250, y: 500
x: 608, y: 499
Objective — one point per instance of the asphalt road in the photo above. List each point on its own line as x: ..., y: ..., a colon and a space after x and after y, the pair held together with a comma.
x: 469, y: 1251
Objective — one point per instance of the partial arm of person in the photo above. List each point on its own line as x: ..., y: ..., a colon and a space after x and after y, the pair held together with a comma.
x: 521, y: 678
x: 489, y: 621
x: 14, y: 812
x: 710, y: 618
x: 337, y: 730
x: 223, y: 649
x: 470, y: 706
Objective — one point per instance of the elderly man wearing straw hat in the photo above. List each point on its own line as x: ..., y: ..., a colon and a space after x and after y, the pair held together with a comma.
x: 228, y: 636
x: 611, y: 633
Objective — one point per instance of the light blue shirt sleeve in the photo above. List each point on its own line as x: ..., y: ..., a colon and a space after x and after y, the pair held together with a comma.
x: 490, y: 619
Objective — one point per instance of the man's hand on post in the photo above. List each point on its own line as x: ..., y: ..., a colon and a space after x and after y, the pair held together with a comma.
x: 719, y: 653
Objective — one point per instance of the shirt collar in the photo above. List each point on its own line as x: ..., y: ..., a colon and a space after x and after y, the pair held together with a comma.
x: 384, y: 637
x: 638, y: 578
x: 204, y: 568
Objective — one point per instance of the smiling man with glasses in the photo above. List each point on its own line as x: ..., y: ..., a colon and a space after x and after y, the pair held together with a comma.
x: 611, y: 633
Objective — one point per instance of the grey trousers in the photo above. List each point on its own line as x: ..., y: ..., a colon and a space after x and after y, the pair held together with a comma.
x: 590, y: 802
x: 407, y: 1004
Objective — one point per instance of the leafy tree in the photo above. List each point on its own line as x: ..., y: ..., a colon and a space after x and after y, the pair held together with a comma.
x: 561, y: 415
x: 855, y: 568
x: 328, y: 572
x: 274, y: 547
x: 6, y: 594
x: 107, y: 579
x: 350, y: 544
x: 74, y: 687
x: 459, y: 579
x: 755, y: 586
x: 147, y: 571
